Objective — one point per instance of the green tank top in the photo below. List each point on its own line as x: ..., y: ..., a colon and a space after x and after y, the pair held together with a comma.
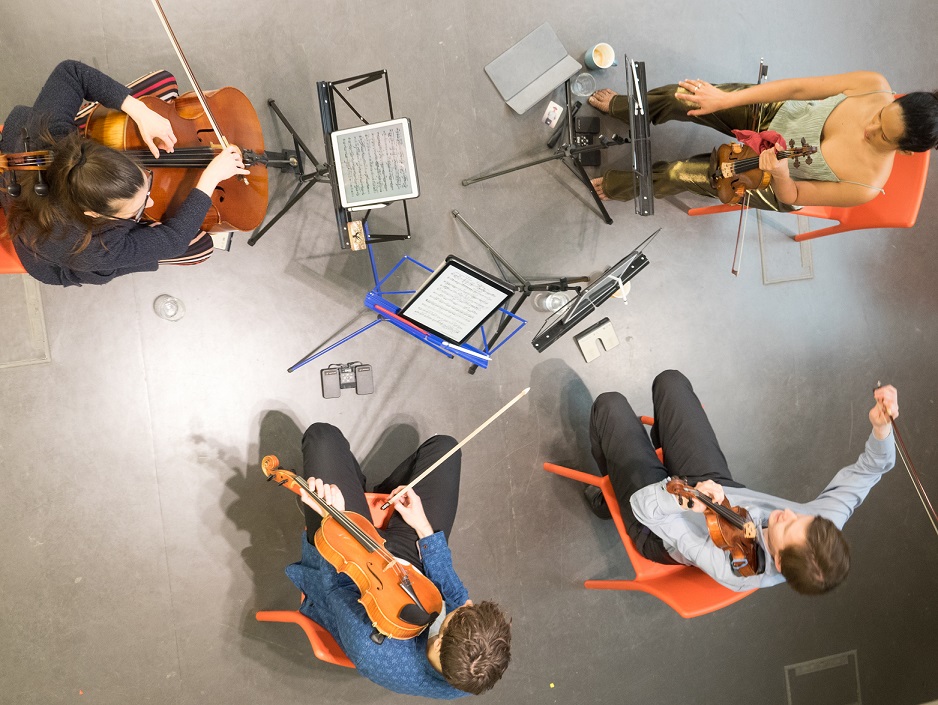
x: 806, y: 118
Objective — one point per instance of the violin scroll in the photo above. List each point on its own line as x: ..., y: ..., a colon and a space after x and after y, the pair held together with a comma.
x: 285, y: 478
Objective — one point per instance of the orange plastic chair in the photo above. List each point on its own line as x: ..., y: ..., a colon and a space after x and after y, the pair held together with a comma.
x: 897, y: 208
x: 324, y: 645
x: 9, y: 260
x: 687, y: 590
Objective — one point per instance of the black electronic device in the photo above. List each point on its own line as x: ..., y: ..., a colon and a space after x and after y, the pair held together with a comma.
x: 456, y: 299
x: 586, y: 125
x: 587, y: 158
x: 351, y: 375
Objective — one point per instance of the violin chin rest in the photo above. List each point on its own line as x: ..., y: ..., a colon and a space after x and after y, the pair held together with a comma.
x: 414, y: 614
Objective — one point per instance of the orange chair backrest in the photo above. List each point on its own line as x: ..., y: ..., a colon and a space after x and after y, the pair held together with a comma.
x: 9, y: 260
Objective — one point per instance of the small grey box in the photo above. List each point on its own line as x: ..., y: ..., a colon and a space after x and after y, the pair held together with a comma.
x: 589, y: 340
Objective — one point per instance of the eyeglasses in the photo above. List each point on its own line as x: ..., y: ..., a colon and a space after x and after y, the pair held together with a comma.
x: 146, y: 200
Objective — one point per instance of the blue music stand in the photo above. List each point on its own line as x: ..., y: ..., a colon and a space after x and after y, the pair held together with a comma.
x: 377, y: 300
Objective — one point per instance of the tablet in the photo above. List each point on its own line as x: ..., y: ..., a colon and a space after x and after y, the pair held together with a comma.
x: 375, y: 163
x: 456, y: 300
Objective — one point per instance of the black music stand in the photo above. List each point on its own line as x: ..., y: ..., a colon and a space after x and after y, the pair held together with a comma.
x: 592, y: 297
x: 524, y: 286
x: 568, y: 152
x: 292, y: 161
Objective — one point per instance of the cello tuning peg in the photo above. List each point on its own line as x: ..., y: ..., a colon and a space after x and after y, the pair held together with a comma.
x: 14, y: 189
x: 808, y: 159
x: 796, y: 162
x: 804, y: 142
x: 41, y: 188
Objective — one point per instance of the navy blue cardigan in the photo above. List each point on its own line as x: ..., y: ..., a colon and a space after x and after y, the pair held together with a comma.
x: 121, y: 246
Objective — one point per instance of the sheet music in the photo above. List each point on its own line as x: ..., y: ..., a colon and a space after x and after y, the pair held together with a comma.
x: 375, y: 163
x: 454, y: 304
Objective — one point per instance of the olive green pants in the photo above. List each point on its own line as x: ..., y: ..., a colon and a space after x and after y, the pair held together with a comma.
x: 689, y: 174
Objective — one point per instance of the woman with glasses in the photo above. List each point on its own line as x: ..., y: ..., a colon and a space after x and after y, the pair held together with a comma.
x: 80, y: 222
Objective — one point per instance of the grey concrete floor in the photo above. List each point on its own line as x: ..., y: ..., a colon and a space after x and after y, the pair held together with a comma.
x: 138, y: 535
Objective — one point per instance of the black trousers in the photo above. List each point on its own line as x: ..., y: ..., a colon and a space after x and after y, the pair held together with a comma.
x: 623, y: 451
x: 327, y: 456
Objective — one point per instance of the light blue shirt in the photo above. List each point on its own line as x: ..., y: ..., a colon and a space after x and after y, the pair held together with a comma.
x: 687, y: 540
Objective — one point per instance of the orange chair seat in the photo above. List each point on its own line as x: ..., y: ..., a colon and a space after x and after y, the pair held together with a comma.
x: 322, y: 642
x: 687, y: 590
x: 9, y: 260
x: 897, y: 208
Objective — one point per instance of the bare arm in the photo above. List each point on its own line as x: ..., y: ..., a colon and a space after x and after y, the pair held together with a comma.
x: 812, y: 193
x: 707, y: 98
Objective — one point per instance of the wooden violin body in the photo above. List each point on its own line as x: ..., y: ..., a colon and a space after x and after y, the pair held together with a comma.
x: 399, y: 600
x: 734, y: 169
x: 730, y: 184
x: 731, y: 528
x: 237, y: 204
x: 385, y: 601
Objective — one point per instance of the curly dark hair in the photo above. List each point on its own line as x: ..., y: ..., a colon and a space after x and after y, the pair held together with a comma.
x: 475, y: 647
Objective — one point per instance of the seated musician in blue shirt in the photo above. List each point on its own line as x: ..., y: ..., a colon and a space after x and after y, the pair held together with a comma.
x: 801, y: 544
x: 467, y: 648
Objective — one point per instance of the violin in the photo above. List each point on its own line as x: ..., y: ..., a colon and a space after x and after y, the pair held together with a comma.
x: 237, y: 204
x: 400, y: 600
x: 731, y: 528
x: 734, y: 169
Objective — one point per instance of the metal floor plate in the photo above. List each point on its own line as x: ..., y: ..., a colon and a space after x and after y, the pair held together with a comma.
x: 24, y: 340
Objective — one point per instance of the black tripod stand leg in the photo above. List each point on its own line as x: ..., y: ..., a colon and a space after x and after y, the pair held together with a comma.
x: 298, y: 193
x: 296, y: 138
x: 578, y: 169
x: 503, y: 324
x: 483, y: 177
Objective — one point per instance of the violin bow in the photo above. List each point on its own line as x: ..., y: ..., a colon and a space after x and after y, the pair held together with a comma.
x: 191, y: 76
x: 906, y: 459
x: 743, y: 213
x: 459, y: 445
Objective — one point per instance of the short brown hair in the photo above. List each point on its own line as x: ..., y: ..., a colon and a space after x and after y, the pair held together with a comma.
x: 475, y: 647
x: 821, y: 564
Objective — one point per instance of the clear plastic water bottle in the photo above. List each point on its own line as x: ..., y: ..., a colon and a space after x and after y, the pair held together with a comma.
x: 169, y: 307
x: 550, y: 301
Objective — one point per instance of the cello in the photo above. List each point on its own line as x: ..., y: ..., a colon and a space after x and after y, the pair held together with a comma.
x: 400, y: 600
x: 237, y: 204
